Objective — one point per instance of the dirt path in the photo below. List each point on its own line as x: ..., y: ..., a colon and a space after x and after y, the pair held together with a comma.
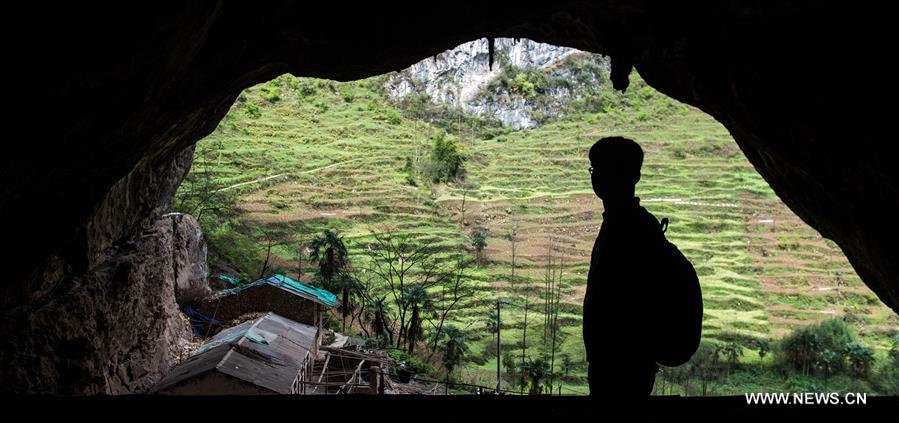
x: 267, y: 178
x: 251, y: 182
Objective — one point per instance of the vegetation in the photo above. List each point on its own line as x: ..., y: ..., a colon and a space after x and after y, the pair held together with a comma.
x: 333, y: 264
x: 454, y: 348
x: 445, y: 162
x: 478, y: 239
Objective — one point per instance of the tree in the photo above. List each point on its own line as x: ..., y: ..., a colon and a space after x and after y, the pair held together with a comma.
x: 886, y: 378
x: 331, y: 254
x: 535, y: 373
x: 462, y: 209
x: 270, y: 242
x: 417, y: 298
x: 380, y: 309
x: 804, y: 347
x: 453, y: 290
x: 828, y: 362
x: 549, y: 281
x: 509, y: 363
x: 409, y: 170
x: 478, y: 239
x: 399, y: 262
x: 706, y: 364
x: 454, y: 348
x: 362, y: 293
x: 445, y: 162
x: 199, y: 193
x: 346, y: 284
x: 731, y: 352
x: 801, y: 349
x: 567, y: 364
x: 302, y: 250
x: 860, y: 359
x: 556, y: 332
x: 491, y: 324
x: 764, y: 347
x: 524, y: 333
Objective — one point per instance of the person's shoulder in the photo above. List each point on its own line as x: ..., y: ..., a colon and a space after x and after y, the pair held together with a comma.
x: 647, y: 218
x: 647, y: 224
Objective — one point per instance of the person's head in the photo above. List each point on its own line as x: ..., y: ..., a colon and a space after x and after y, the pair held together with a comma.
x: 615, y: 163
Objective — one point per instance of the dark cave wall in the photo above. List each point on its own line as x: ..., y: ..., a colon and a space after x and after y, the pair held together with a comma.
x: 114, y: 328
x: 124, y: 90
x: 800, y: 90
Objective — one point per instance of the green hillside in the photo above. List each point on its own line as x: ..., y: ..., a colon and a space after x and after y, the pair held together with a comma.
x: 298, y: 156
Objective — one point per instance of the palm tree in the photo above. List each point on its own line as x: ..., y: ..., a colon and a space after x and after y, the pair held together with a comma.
x: 380, y: 309
x: 732, y: 352
x: 454, y: 348
x: 331, y: 254
x: 535, y: 372
x: 567, y: 364
x: 416, y: 296
x: 764, y: 346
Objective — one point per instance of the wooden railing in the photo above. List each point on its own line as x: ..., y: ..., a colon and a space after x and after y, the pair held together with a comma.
x: 298, y: 387
x: 322, y: 375
x: 355, y: 379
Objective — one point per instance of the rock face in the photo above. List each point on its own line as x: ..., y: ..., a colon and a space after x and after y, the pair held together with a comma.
x: 191, y: 272
x: 118, y: 93
x: 115, y: 328
x: 458, y: 78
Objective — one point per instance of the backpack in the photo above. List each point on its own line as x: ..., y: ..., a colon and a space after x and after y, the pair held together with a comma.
x: 679, y: 307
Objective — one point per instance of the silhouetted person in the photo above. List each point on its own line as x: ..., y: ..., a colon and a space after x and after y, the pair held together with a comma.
x: 642, y: 304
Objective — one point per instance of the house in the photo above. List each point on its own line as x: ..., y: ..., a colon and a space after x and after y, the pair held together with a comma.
x: 292, y: 299
x: 268, y: 355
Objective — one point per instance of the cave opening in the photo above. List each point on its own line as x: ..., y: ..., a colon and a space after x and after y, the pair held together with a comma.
x: 296, y: 157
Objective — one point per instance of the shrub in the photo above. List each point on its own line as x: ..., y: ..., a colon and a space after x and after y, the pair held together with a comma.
x: 860, y: 359
x: 408, y: 362
x: 528, y: 83
x: 271, y: 93
x: 393, y: 117
x: 478, y: 239
x: 306, y: 89
x: 886, y: 376
x: 820, y: 346
x: 252, y: 110
x: 445, y: 162
x: 346, y: 93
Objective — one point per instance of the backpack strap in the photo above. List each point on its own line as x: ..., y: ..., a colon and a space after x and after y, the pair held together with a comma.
x: 664, y: 224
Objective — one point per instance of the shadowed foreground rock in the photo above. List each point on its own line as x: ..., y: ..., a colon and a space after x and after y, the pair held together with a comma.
x: 116, y: 328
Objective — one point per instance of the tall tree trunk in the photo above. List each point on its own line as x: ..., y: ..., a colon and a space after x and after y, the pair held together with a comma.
x: 414, y: 328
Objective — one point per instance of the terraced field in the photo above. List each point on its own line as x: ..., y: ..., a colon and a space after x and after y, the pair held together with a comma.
x: 331, y: 155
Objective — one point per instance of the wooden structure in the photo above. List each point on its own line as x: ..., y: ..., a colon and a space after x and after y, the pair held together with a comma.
x: 269, y: 355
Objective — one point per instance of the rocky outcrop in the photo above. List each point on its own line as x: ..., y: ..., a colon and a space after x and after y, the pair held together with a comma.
x: 191, y: 272
x: 118, y: 92
x: 464, y: 78
x: 458, y: 76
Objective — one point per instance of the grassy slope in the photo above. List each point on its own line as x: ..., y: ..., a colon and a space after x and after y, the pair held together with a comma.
x: 338, y: 149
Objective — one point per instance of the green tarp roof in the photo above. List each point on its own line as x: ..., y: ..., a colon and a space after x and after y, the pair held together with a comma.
x: 307, y: 291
